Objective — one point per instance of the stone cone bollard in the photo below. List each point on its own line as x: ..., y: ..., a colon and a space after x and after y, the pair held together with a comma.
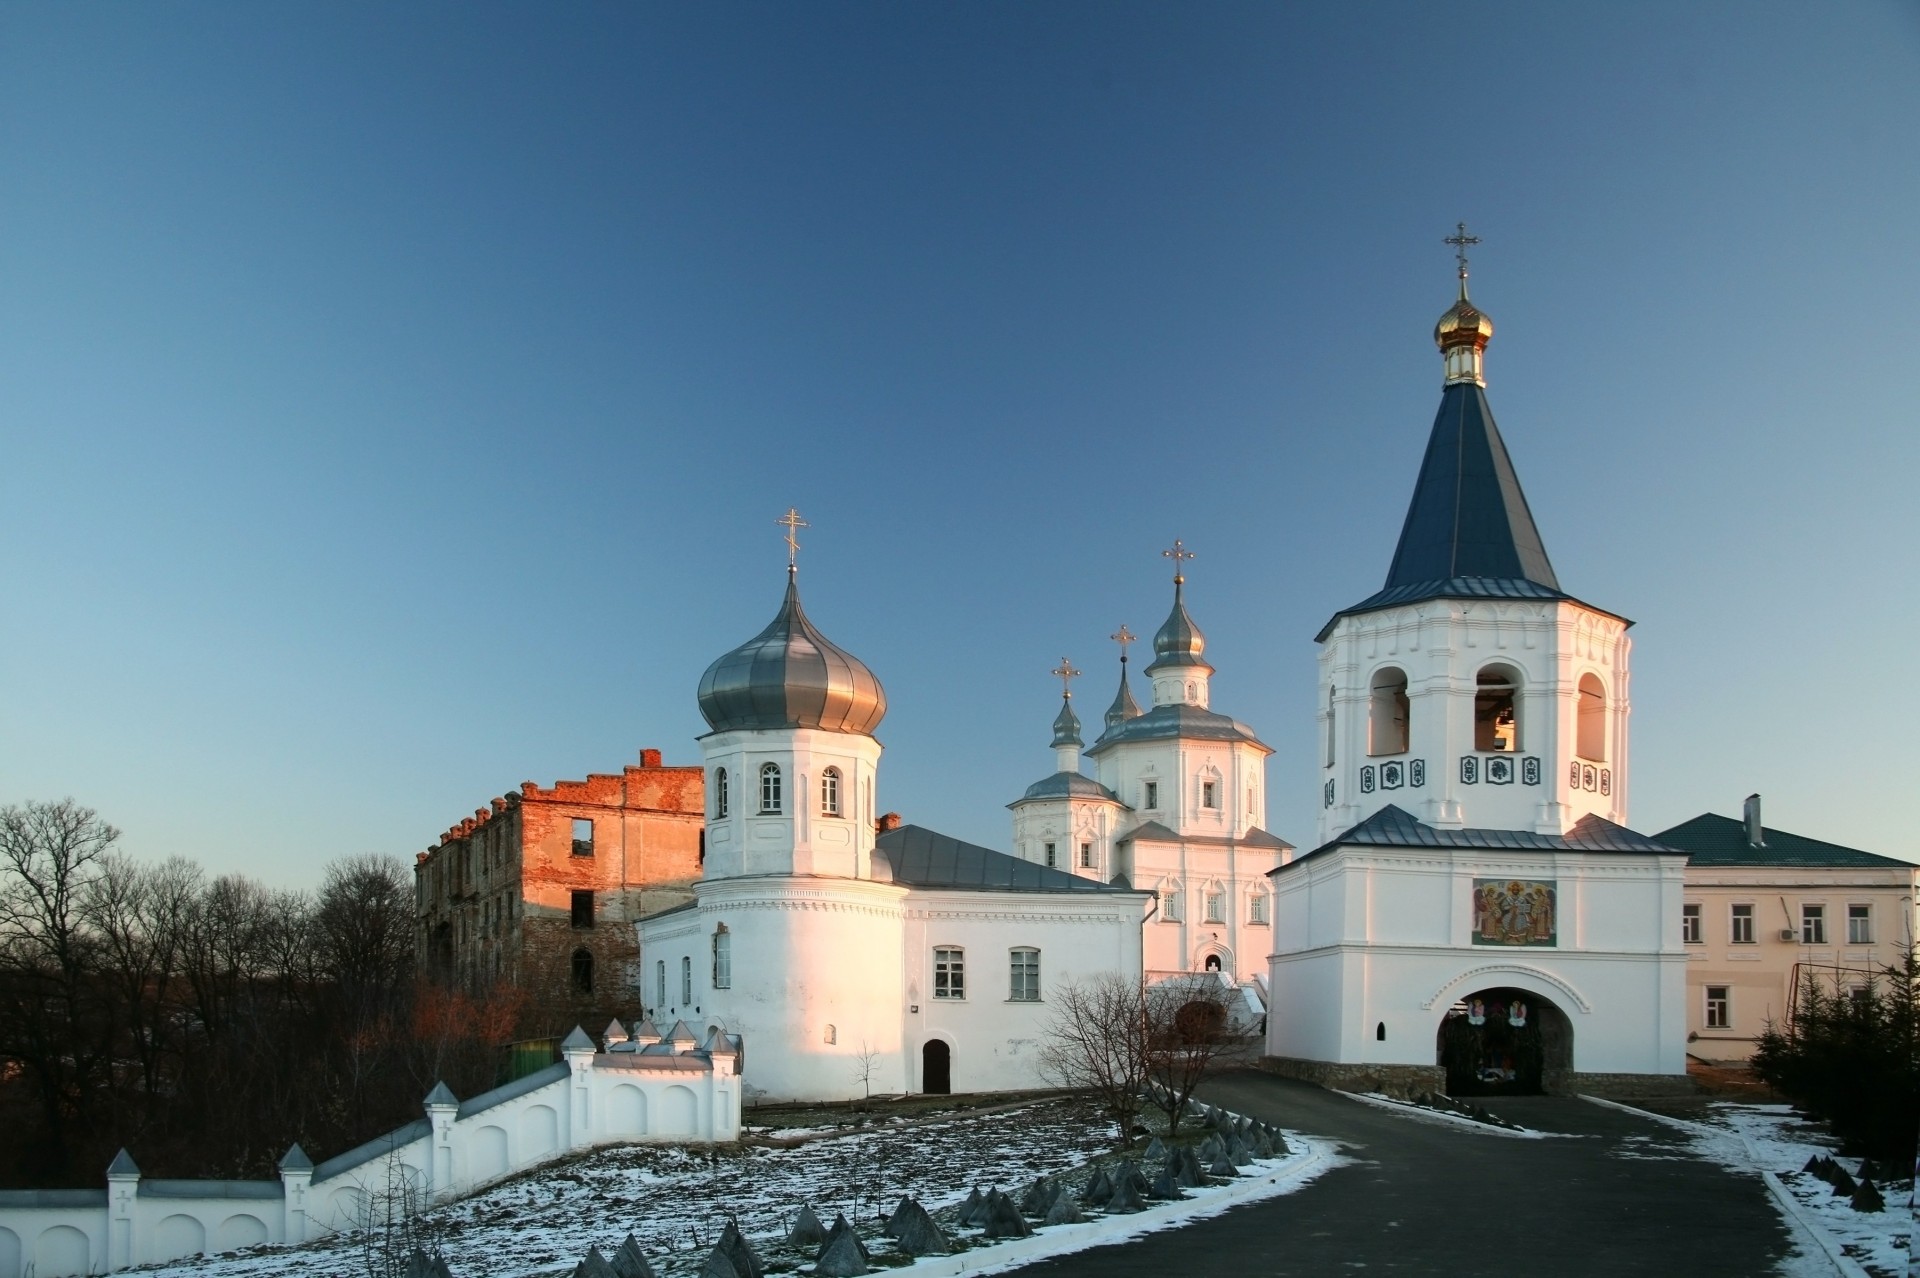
x: 1098, y: 1189
x: 973, y: 1211
x: 1211, y: 1148
x: 1260, y: 1145
x: 745, y: 1263
x: 1186, y: 1169
x: 1237, y: 1152
x: 594, y: 1265
x: 1220, y: 1166
x: 630, y: 1262
x: 719, y: 1265
x: 1039, y: 1197
x: 807, y: 1230
x: 1155, y: 1151
x: 1004, y: 1219
x: 841, y: 1258
x: 917, y: 1233
x: 1164, y: 1185
x: 1867, y: 1198
x: 842, y: 1229
x: 1065, y: 1210
x: 1280, y: 1147
x: 899, y: 1213
x: 1126, y: 1199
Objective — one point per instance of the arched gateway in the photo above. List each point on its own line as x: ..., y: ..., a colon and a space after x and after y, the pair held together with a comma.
x: 936, y: 1067
x: 1503, y: 1042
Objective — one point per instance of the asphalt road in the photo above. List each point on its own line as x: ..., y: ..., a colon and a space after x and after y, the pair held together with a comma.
x: 1617, y: 1194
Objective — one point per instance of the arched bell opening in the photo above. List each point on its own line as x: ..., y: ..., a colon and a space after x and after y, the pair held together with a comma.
x: 1503, y: 1042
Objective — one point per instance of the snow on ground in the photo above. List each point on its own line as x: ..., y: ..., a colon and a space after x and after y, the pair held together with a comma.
x: 675, y: 1200
x: 1773, y: 1138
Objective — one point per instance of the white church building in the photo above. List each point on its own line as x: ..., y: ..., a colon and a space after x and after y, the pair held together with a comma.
x: 846, y: 958
x: 1477, y: 916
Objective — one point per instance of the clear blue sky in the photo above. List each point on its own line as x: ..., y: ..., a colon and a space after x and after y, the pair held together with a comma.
x: 398, y: 399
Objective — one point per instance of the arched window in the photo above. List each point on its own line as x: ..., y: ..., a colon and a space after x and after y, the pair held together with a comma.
x: 722, y: 958
x: 770, y: 789
x: 1593, y: 719
x: 660, y: 986
x: 1329, y: 727
x: 1213, y: 963
x: 1496, y: 710
x: 686, y: 980
x: 719, y: 792
x: 1387, y: 720
x: 583, y: 971
x: 830, y: 792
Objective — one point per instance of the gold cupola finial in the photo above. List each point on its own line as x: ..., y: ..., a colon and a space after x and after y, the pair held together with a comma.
x: 1463, y: 331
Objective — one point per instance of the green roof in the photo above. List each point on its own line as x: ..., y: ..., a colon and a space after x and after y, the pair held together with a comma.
x: 1716, y: 840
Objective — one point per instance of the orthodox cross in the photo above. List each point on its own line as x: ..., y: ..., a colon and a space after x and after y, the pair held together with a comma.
x: 1066, y: 674
x: 1460, y: 241
x: 1123, y: 637
x: 1177, y: 554
x: 792, y: 522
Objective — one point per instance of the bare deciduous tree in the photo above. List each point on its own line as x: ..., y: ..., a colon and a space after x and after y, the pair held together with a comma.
x: 1186, y: 1032
x: 1096, y: 1042
x: 864, y: 1063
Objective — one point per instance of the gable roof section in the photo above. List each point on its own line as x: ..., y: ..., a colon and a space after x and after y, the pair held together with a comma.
x: 1710, y: 839
x: 1393, y: 827
x: 921, y: 858
x: 1469, y: 533
x: 1155, y: 832
x: 1166, y: 722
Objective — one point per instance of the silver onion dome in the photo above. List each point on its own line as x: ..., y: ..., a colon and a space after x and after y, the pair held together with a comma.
x: 1066, y: 725
x: 1179, y: 642
x: 790, y: 676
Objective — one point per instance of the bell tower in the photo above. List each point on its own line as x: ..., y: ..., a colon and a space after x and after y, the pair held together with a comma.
x: 1471, y: 690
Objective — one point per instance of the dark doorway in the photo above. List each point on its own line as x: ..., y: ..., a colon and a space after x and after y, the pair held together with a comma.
x: 1503, y: 1042
x: 936, y: 1068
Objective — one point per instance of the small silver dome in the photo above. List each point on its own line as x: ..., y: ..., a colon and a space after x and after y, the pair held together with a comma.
x: 790, y: 676
x: 1179, y: 642
x: 1124, y: 707
x: 1066, y: 725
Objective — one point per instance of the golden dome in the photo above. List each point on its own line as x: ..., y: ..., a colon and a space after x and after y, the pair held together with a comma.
x: 1463, y: 324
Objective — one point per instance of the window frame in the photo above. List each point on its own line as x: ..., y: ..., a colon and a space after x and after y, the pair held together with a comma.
x: 1023, y: 978
x: 1590, y: 719
x: 830, y: 788
x: 582, y: 847
x: 772, y: 790
x: 1150, y: 796
x: 575, y: 914
x: 1214, y: 904
x: 686, y: 980
x: 1739, y: 924
x: 1717, y: 1012
x: 1086, y: 856
x: 950, y: 973
x: 1861, y: 914
x: 722, y: 957
x: 1813, y: 923
x: 720, y: 795
x: 1259, y: 908
x: 1210, y: 795
x: 1049, y: 853
x: 660, y: 983
x: 1692, y: 926
x: 1172, y: 909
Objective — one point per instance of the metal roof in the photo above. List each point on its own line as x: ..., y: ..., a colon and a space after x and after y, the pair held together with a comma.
x: 1469, y: 532
x: 1179, y: 642
x: 1067, y: 785
x: 918, y: 857
x: 1066, y: 724
x: 1393, y: 827
x: 1710, y: 839
x: 790, y: 676
x: 1191, y: 722
x: 1155, y: 832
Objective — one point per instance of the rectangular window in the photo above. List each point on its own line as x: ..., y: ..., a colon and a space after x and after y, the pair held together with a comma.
x: 1859, y: 925
x: 1740, y: 925
x: 1170, y: 904
x: 1152, y: 799
x: 1690, y: 924
x: 1257, y: 911
x: 1813, y: 925
x: 1216, y: 907
x: 1719, y: 1010
x: 686, y: 981
x: 1086, y: 856
x: 1209, y: 794
x: 949, y: 973
x: 583, y: 909
x: 583, y: 836
x: 1025, y: 977
x: 660, y: 984
x: 1050, y: 856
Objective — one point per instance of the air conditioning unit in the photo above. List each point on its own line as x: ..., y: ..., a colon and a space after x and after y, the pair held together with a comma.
x: 1788, y: 934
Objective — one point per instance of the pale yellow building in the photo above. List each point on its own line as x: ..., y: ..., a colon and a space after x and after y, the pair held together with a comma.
x: 1766, y: 912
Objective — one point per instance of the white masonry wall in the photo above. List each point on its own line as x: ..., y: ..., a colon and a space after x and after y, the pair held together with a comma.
x: 590, y: 1099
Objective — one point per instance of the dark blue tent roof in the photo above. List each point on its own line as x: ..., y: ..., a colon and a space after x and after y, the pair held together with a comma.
x: 1469, y: 533
x: 1394, y: 827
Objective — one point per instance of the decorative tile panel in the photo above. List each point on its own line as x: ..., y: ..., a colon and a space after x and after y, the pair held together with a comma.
x: 1366, y: 779
x: 1469, y: 770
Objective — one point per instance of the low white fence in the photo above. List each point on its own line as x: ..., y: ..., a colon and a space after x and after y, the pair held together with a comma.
x: 644, y: 1089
